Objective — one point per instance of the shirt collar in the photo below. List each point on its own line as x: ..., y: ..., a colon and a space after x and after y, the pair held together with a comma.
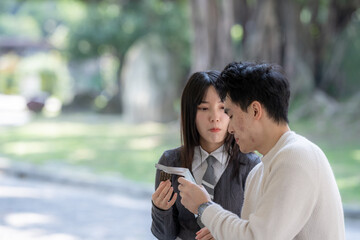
x: 200, y: 156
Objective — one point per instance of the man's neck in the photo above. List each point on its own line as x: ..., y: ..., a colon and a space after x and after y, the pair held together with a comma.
x: 272, y: 134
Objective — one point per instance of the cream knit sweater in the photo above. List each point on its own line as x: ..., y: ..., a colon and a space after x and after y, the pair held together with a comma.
x: 291, y: 194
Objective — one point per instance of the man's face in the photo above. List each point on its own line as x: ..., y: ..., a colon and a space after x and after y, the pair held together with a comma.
x: 241, y: 126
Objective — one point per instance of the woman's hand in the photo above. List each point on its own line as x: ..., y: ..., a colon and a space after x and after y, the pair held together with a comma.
x: 161, y: 197
x: 204, y: 234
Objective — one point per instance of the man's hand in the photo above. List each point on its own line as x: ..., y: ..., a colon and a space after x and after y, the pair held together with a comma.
x: 161, y: 197
x: 192, y: 195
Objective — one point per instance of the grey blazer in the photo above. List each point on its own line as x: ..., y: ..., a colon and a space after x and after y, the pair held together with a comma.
x: 228, y: 192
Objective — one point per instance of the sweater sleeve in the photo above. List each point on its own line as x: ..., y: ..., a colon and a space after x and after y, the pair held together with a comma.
x: 164, y: 222
x: 283, y: 208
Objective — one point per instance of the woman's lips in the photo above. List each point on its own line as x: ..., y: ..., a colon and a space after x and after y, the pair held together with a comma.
x: 215, y: 130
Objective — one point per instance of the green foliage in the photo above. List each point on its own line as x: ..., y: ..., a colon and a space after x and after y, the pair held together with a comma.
x: 105, y: 28
x: 30, y: 19
x: 19, y: 26
x: 8, y: 85
x: 48, y: 81
x: 171, y: 22
x: 111, y: 27
x: 95, y: 31
x: 50, y: 68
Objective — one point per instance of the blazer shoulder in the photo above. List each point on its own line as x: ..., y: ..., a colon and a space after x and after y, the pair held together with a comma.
x: 248, y: 159
x: 170, y: 156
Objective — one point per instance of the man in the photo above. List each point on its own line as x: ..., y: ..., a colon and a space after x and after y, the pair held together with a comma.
x: 292, y: 193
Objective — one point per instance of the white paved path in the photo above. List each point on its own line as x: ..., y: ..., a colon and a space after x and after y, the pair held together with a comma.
x: 38, y: 210
x: 33, y: 210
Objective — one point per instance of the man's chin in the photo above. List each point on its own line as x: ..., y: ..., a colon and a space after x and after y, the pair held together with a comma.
x: 244, y: 150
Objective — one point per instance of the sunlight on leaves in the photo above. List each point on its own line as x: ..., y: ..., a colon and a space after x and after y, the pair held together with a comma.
x: 83, y: 154
x: 237, y: 33
x: 305, y: 16
x: 144, y: 143
x: 348, y: 182
x: 24, y: 148
x: 53, y: 130
x: 356, y: 154
x: 150, y: 127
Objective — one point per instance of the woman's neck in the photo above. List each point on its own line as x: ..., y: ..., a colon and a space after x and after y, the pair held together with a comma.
x: 211, y: 147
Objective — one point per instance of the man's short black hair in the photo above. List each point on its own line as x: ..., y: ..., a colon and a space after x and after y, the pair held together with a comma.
x: 247, y: 82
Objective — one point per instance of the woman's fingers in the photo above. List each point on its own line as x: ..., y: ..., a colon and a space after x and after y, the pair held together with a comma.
x: 165, y: 190
x: 157, y: 192
x: 166, y: 201
x: 161, y: 197
x: 168, y: 194
x: 172, y: 200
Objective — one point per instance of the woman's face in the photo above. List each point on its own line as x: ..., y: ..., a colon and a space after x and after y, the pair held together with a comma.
x: 211, y: 121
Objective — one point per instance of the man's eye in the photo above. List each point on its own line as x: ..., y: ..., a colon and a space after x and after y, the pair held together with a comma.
x: 230, y: 116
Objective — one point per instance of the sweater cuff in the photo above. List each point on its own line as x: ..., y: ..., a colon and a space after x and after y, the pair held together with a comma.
x: 209, y: 213
x: 161, y: 212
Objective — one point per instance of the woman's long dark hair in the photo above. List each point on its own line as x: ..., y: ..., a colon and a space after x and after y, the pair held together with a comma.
x: 192, y: 96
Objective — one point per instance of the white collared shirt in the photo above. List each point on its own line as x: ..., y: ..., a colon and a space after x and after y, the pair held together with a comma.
x: 199, y: 163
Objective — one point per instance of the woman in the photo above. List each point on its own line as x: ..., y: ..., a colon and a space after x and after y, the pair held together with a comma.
x: 204, y: 133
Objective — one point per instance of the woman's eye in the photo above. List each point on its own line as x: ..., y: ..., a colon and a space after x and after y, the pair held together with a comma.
x: 203, y: 108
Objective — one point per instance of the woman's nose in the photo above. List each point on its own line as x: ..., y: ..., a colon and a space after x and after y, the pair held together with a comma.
x: 215, y: 116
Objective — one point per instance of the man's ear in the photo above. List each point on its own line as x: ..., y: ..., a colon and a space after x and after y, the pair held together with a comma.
x: 256, y: 109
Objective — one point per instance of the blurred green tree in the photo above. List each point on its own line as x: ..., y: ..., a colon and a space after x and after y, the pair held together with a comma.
x: 94, y: 30
x: 26, y: 28
x: 112, y: 27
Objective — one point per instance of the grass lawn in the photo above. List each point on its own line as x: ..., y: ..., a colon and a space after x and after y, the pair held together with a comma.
x: 107, y: 145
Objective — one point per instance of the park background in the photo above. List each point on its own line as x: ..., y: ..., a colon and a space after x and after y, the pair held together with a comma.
x: 95, y: 85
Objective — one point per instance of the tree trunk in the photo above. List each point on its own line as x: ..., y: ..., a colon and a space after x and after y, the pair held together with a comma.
x: 115, y: 104
x: 338, y: 18
x: 211, y: 47
x: 273, y: 33
x: 264, y: 38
